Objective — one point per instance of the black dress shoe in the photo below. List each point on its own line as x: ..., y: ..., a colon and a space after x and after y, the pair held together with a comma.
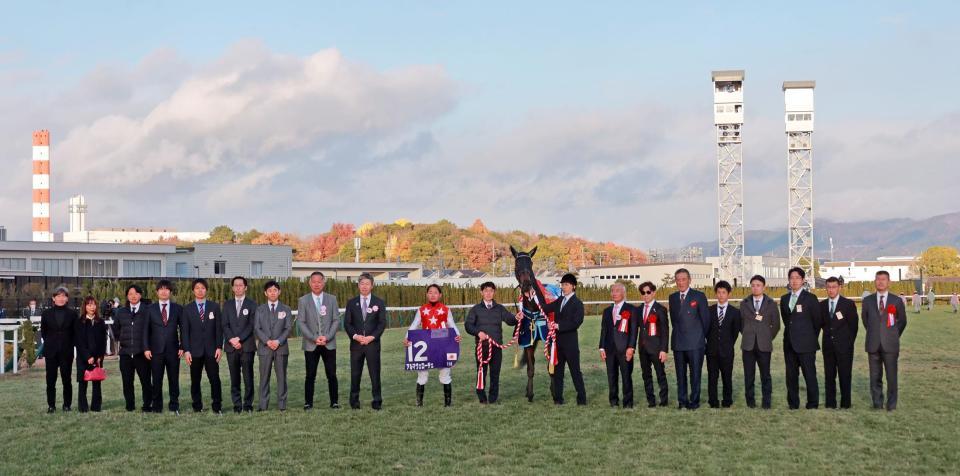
x: 377, y: 406
x: 51, y: 409
x: 307, y: 407
x: 237, y: 411
x: 218, y: 412
x: 663, y: 403
x: 354, y: 406
x: 248, y: 409
x: 335, y: 406
x: 651, y: 405
x: 197, y: 410
x: 66, y: 408
x: 259, y: 410
x: 558, y: 402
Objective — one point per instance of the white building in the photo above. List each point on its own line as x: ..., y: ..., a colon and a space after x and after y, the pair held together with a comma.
x: 772, y: 268
x: 899, y: 267
x: 701, y: 274
x: 132, y: 235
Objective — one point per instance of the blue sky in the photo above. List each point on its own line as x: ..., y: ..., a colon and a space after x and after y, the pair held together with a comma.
x: 515, y: 74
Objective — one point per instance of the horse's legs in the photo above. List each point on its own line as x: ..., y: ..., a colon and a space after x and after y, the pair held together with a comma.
x: 529, y: 353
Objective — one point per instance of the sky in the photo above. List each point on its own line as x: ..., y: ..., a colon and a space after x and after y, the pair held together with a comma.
x: 592, y: 119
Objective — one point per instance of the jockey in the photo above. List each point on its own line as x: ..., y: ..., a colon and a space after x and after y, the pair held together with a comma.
x: 434, y: 315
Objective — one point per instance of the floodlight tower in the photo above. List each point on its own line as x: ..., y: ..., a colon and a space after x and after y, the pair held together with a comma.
x: 728, y: 119
x: 798, y: 102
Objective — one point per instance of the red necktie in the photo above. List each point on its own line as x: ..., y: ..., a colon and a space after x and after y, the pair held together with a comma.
x: 881, y: 304
x: 163, y: 313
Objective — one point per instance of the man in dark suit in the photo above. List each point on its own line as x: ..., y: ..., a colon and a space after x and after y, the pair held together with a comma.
x: 568, y: 312
x: 364, y: 321
x: 239, y: 317
x: 161, y: 346
x: 58, y: 332
x: 203, y: 345
x: 802, y: 321
x: 690, y: 317
x: 721, y: 338
x: 618, y: 340
x: 760, y: 323
x: 884, y: 318
x: 485, y: 321
x: 839, y: 333
x: 653, y: 343
x: 128, y: 324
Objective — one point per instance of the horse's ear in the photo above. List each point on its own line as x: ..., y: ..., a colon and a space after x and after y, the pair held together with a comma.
x: 533, y: 251
x: 513, y: 251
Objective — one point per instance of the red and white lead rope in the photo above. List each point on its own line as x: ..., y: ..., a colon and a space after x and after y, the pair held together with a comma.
x: 486, y: 360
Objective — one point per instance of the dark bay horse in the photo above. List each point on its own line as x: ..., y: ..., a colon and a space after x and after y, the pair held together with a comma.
x: 534, y: 325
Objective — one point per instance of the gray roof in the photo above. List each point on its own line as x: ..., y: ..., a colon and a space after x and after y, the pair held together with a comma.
x: 65, y: 247
x: 799, y: 85
x: 727, y: 75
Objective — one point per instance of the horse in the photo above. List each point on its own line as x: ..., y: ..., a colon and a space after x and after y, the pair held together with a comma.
x: 534, y: 326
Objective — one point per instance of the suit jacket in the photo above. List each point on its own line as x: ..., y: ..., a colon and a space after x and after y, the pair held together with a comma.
x: 611, y: 339
x: 57, y: 330
x: 274, y: 325
x: 721, y: 339
x: 802, y: 326
x: 241, y: 325
x: 691, y: 322
x: 653, y: 345
x: 373, y: 325
x: 568, y: 320
x: 840, y: 328
x: 879, y: 336
x: 313, y: 325
x: 759, y: 335
x: 159, y: 338
x: 202, y: 335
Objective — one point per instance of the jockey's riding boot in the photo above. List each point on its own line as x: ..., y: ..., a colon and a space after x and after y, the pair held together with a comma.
x: 447, y: 394
x: 420, y: 394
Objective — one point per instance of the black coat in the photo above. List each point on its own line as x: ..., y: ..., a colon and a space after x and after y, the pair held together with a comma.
x: 722, y: 339
x: 489, y: 321
x: 840, y: 328
x: 802, y: 326
x: 202, y: 335
x: 568, y: 320
x: 239, y: 325
x: 57, y: 330
x: 128, y: 328
x: 159, y: 338
x: 654, y: 344
x: 374, y: 325
x: 611, y: 339
x: 91, y: 341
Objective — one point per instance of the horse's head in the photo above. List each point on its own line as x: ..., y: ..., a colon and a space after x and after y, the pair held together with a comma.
x: 523, y: 268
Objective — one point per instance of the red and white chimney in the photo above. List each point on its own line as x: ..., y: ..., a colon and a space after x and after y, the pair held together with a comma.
x: 41, y: 186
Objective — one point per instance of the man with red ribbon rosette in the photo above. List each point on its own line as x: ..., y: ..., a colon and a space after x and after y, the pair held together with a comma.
x: 800, y: 311
x: 485, y: 320
x: 618, y: 339
x: 884, y: 318
x: 569, y: 316
x: 653, y: 344
x: 690, y: 317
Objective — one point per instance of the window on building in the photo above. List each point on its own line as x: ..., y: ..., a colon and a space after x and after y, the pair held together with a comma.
x: 141, y: 268
x: 52, y: 267
x: 13, y: 264
x: 181, y: 269
x: 98, y: 267
x: 220, y: 268
x: 256, y: 269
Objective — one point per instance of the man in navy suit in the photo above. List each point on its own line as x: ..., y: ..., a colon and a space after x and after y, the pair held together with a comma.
x: 618, y: 342
x: 723, y: 334
x: 568, y: 310
x: 203, y: 345
x: 690, y: 318
x: 800, y: 311
x: 364, y: 321
x: 161, y: 346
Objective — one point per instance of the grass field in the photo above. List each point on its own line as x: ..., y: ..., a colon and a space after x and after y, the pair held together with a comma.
x: 921, y: 437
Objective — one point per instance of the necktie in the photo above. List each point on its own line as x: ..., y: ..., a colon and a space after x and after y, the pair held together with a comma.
x: 239, y: 307
x: 793, y: 301
x: 133, y: 309
x: 646, y: 312
x: 756, y: 305
x: 273, y: 308
x: 616, y: 313
x: 720, y: 315
x: 163, y: 313
x: 363, y: 308
x: 564, y: 303
x: 833, y: 307
x: 200, y: 307
x: 317, y: 299
x: 683, y: 297
x: 881, y: 304
x: 489, y: 305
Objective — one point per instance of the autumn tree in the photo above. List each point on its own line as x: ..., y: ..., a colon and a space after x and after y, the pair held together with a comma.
x: 940, y: 261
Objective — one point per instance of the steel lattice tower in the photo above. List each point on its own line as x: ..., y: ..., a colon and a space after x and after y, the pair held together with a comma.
x: 798, y: 102
x: 728, y: 119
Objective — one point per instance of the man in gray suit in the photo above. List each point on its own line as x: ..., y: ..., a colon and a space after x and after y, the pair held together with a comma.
x: 884, y: 318
x: 273, y: 323
x: 318, y: 320
x: 760, y: 320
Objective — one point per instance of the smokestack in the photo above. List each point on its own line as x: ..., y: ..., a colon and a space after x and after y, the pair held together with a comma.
x: 78, y: 214
x: 41, y: 186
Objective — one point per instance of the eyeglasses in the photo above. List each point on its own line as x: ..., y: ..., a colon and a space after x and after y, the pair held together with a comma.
x: 646, y: 292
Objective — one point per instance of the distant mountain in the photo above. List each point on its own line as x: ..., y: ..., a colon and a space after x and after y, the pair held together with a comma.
x: 858, y: 240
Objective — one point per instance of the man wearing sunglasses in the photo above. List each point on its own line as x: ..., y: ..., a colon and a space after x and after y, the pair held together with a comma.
x: 654, y: 343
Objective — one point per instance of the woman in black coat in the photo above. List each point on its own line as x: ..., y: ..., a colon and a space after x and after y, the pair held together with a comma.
x: 91, y: 341
x: 57, y: 326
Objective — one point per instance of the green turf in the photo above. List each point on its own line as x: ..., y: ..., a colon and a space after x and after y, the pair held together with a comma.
x: 922, y: 436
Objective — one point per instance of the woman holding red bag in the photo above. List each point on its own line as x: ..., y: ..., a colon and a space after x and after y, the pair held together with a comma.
x: 91, y: 342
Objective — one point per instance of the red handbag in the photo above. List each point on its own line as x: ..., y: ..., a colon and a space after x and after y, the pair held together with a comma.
x: 96, y: 374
